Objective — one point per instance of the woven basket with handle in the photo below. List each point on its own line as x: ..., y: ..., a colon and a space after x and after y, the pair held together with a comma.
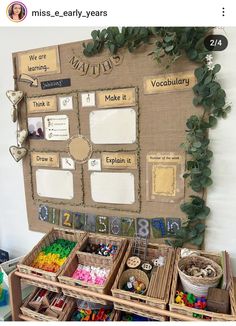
x: 198, y: 285
x: 138, y: 274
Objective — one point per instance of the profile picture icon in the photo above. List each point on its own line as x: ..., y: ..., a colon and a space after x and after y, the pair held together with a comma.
x: 16, y: 11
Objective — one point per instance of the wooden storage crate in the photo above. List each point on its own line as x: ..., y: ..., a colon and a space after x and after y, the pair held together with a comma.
x: 49, y: 238
x: 183, y: 310
x: 77, y: 258
x: 150, y: 298
x: 27, y: 310
x: 96, y: 239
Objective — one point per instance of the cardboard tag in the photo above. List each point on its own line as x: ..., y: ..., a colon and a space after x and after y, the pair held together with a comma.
x: 119, y: 160
x: 56, y: 127
x: 39, y: 62
x: 45, y: 159
x: 179, y: 81
x: 116, y: 98
x: 42, y: 104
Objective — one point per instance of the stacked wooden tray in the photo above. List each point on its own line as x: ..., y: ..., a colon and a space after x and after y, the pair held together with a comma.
x: 158, y: 291
x: 183, y: 310
x: 80, y: 257
x: 56, y: 233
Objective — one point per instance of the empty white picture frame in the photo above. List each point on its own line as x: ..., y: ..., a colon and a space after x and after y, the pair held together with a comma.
x: 112, y: 188
x: 113, y: 126
x: 56, y: 184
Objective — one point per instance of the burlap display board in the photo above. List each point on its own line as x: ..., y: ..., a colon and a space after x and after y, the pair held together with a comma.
x: 160, y: 111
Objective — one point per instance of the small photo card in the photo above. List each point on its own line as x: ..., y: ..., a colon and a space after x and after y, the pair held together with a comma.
x: 35, y: 128
x: 88, y: 99
x: 67, y: 163
x: 65, y: 103
x: 94, y: 164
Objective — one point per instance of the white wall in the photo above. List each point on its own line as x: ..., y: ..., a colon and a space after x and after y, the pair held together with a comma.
x: 14, y: 234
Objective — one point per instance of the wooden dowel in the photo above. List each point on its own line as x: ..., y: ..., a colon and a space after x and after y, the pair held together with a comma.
x: 131, y: 304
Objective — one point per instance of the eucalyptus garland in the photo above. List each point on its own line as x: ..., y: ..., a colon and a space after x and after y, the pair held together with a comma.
x: 170, y: 44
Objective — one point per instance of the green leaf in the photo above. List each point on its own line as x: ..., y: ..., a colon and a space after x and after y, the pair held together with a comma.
x: 198, y: 240
x: 169, y: 48
x: 206, y: 182
x: 89, y: 47
x: 216, y: 69
x: 169, y: 38
x: 197, y: 144
x: 94, y: 34
x: 208, y: 79
x: 192, y: 54
x: 204, y: 213
x: 206, y: 172
x: 212, y: 121
x: 200, y: 227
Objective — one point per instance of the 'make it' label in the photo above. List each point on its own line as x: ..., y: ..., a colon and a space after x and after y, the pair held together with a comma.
x: 169, y: 82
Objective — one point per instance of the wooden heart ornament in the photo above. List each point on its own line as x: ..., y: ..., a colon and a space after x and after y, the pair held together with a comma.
x: 22, y: 135
x: 17, y: 152
x: 15, y: 96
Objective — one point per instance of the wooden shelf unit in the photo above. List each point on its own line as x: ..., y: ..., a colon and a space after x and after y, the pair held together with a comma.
x: 16, y: 299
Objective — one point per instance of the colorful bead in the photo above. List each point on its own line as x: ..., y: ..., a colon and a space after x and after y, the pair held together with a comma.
x: 135, y: 286
x: 102, y: 249
x: 91, y: 274
x: 52, y: 257
x: 92, y: 315
x: 189, y: 300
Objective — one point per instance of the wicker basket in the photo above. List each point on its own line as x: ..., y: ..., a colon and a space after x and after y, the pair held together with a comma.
x: 197, y: 285
x: 49, y: 238
x: 183, y: 310
x: 138, y: 274
x: 71, y: 266
x: 27, y: 311
x: 97, y: 239
x: 159, y: 285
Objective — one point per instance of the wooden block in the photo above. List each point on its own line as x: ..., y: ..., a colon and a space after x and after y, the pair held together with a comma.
x: 218, y: 300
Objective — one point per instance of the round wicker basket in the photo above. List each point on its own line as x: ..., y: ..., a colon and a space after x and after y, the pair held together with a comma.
x: 138, y: 274
x: 198, y: 285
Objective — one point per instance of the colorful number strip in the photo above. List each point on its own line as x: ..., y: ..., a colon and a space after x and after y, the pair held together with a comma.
x: 158, y: 227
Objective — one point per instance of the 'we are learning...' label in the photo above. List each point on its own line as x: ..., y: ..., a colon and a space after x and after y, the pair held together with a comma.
x: 169, y: 82
x: 39, y: 62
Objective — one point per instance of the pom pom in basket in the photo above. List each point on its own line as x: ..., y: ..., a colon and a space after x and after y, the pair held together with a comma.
x: 194, y: 284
